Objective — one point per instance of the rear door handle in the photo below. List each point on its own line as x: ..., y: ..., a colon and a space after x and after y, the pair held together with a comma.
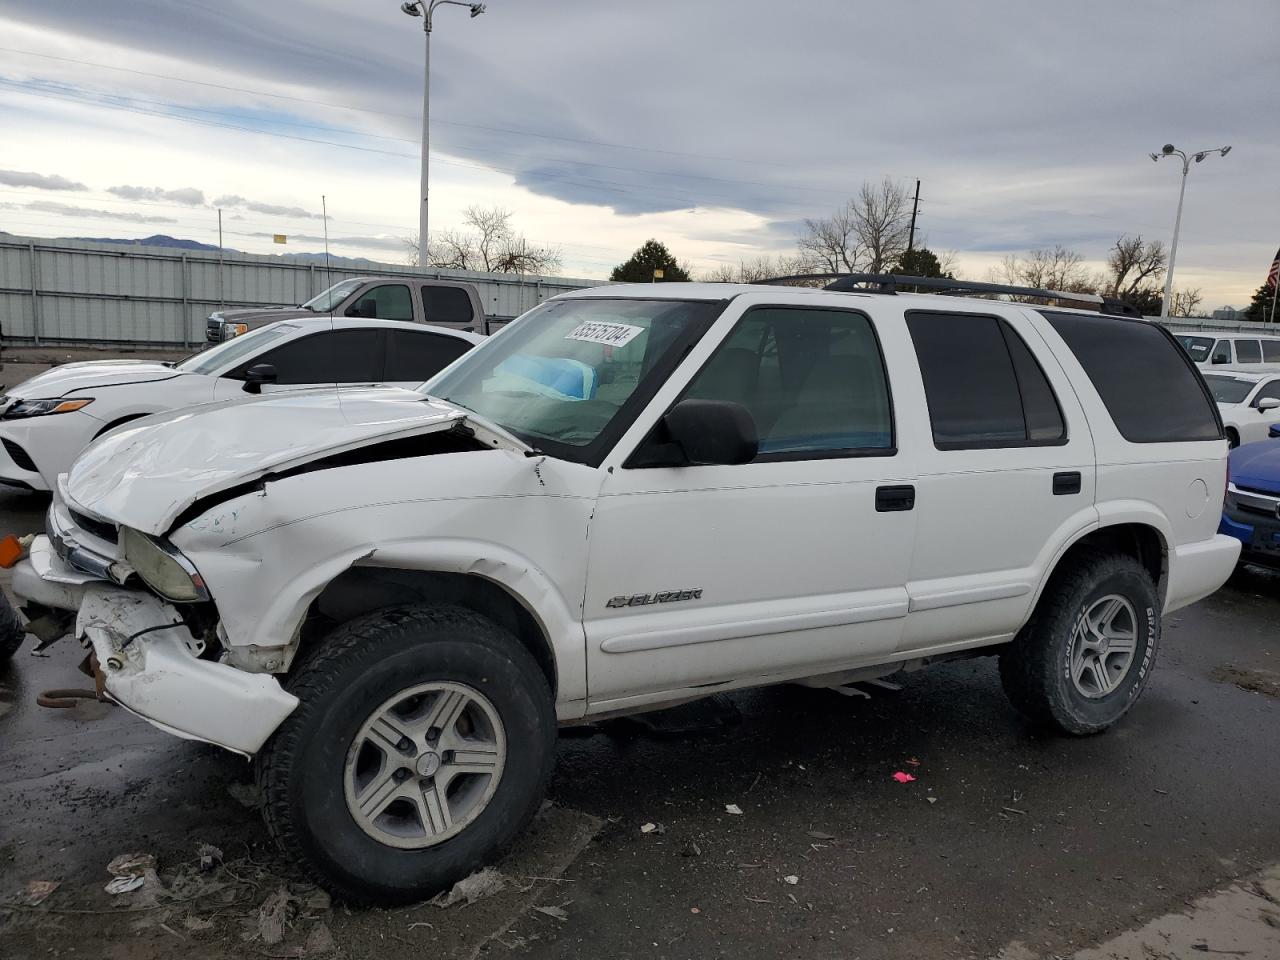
x: 1066, y: 483
x: 895, y: 498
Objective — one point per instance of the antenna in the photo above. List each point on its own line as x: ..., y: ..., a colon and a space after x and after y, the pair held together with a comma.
x: 328, y: 275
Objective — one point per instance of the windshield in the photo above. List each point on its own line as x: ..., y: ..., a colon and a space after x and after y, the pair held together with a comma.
x: 328, y: 300
x: 1228, y: 389
x: 233, y: 351
x: 571, y: 375
x: 1198, y: 347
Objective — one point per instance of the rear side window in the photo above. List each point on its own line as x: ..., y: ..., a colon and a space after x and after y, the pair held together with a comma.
x: 983, y: 386
x: 447, y: 305
x: 1198, y: 347
x: 1271, y: 351
x: 1147, y: 383
x: 416, y: 357
x: 1247, y: 351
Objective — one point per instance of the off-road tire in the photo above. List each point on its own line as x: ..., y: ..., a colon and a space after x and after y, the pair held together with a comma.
x: 346, y: 676
x: 12, y: 632
x: 1035, y: 667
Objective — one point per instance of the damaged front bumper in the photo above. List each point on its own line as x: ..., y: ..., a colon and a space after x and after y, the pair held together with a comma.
x: 150, y: 661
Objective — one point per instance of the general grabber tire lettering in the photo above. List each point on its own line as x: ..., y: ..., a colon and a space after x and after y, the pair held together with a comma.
x: 1086, y: 654
x: 421, y: 747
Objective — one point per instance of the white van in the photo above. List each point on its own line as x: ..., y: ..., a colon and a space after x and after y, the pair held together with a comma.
x: 1215, y: 348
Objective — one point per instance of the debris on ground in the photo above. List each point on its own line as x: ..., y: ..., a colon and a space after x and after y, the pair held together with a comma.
x: 1252, y: 681
x: 209, y: 855
x: 481, y: 884
x: 275, y: 915
x: 653, y: 828
x: 196, y: 924
x: 691, y: 849
x: 557, y: 912
x: 821, y: 835
x: 319, y: 942
x: 131, y: 865
x: 733, y: 808
x: 913, y: 762
x: 932, y: 799
x: 119, y: 885
x: 902, y: 777
x: 38, y: 891
x: 317, y: 901
x: 791, y: 879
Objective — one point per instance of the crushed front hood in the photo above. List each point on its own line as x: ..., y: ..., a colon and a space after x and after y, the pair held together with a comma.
x: 145, y: 475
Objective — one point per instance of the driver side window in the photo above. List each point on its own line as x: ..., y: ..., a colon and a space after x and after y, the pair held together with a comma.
x: 813, y: 380
x: 387, y: 301
x: 1221, y: 352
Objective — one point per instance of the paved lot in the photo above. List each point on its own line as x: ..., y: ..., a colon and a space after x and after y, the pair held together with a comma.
x: 1009, y: 843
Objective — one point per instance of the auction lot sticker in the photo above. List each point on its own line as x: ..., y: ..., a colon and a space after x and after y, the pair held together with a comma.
x: 609, y: 334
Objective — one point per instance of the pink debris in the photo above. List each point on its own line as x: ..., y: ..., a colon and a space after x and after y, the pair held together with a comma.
x: 903, y: 777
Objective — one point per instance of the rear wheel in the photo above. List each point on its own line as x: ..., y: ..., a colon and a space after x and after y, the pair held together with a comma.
x: 1233, y: 438
x: 421, y: 748
x: 1087, y: 652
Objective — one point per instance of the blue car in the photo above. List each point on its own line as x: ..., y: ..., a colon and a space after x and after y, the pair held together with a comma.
x: 1251, y: 512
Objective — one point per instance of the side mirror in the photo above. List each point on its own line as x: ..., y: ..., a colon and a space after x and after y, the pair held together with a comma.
x: 257, y: 375
x: 1268, y: 403
x: 701, y: 433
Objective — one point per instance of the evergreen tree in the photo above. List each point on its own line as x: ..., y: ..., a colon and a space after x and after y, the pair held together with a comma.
x: 649, y: 258
x: 1259, y: 309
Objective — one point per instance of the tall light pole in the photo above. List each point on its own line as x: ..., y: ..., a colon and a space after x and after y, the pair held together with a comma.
x: 426, y: 10
x: 1169, y: 150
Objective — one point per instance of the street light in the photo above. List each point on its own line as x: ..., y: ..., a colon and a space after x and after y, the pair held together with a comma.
x: 1169, y: 150
x: 426, y: 9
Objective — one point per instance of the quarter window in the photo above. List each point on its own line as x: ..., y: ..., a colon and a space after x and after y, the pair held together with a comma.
x: 387, y: 301
x: 813, y: 380
x: 1248, y: 351
x: 1148, y: 384
x: 983, y: 386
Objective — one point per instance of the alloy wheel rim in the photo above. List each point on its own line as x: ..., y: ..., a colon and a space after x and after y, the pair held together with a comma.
x: 424, y: 764
x: 1104, y: 645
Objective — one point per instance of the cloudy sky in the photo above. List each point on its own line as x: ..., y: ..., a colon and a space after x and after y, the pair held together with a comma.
x: 714, y: 125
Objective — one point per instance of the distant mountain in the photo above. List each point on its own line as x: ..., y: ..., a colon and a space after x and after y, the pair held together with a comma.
x: 156, y: 240
x: 162, y: 240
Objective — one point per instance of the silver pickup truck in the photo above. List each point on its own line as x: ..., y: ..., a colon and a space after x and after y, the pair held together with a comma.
x: 445, y: 303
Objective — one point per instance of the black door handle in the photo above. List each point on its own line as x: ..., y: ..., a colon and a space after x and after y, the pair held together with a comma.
x: 1066, y: 483
x: 891, y: 499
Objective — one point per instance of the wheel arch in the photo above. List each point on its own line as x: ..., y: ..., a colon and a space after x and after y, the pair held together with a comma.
x: 1144, y: 538
x: 120, y: 422
x: 363, y: 589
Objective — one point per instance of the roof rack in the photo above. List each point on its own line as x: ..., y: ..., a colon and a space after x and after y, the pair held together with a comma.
x: 888, y: 283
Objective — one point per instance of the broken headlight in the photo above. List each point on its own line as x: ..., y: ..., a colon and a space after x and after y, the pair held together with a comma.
x: 162, y: 567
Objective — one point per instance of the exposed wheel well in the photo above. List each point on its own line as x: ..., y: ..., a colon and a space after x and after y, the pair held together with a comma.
x: 362, y: 590
x: 1142, y: 542
x: 1233, y: 437
x: 117, y: 423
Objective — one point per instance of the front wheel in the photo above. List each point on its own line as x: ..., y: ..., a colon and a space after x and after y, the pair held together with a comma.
x: 421, y: 747
x: 1085, y: 656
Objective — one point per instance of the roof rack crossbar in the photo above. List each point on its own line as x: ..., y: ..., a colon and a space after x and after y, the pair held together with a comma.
x: 889, y: 282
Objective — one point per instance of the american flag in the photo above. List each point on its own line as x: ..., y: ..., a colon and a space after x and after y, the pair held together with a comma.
x: 1274, y: 273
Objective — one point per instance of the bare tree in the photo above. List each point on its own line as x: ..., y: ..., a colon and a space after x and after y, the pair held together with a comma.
x: 1054, y: 269
x: 1185, y: 302
x: 868, y: 233
x: 1134, y: 265
x: 490, y: 245
x: 753, y: 271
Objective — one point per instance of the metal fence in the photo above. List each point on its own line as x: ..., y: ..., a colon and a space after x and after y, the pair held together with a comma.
x: 75, y: 291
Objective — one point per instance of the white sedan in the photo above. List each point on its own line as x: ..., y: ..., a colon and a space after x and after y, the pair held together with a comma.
x: 1248, y: 403
x: 46, y: 421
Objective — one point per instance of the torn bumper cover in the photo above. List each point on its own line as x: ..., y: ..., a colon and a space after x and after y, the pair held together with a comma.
x: 151, y: 663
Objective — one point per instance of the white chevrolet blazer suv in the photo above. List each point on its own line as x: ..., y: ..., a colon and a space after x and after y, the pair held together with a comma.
x: 631, y: 497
